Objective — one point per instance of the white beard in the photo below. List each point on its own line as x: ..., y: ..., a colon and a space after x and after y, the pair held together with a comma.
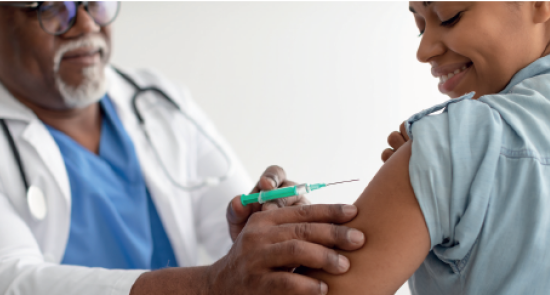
x: 91, y: 90
x: 94, y: 85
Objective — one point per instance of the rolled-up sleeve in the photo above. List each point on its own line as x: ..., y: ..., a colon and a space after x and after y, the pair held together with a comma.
x: 431, y: 174
x: 452, y: 171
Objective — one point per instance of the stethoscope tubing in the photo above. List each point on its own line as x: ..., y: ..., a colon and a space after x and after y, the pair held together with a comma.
x: 16, y: 154
x: 139, y: 90
x: 33, y: 193
x: 34, y: 196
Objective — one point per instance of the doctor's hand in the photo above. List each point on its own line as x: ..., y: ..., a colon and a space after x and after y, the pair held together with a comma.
x: 275, y: 241
x: 273, y: 177
x: 271, y: 243
x: 395, y: 140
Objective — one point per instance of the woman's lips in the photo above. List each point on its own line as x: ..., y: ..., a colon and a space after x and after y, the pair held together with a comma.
x: 452, y: 82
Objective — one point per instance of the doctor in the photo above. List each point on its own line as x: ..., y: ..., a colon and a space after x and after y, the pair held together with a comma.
x: 92, y: 202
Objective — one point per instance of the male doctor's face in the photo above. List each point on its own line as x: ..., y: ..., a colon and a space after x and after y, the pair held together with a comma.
x: 53, y: 72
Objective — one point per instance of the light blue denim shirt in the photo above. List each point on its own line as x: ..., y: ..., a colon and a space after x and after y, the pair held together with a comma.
x: 481, y: 173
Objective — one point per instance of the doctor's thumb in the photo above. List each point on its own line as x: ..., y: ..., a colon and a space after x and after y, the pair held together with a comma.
x: 237, y: 215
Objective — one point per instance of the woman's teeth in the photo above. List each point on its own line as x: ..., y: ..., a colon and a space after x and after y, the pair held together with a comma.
x: 444, y: 78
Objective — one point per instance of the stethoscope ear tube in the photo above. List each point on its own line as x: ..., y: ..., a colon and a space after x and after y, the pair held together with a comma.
x: 35, y: 198
x: 209, y: 181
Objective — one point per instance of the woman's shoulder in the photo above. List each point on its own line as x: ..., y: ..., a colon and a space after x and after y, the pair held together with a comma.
x: 524, y: 111
x: 479, y: 171
x: 453, y: 161
x: 455, y: 124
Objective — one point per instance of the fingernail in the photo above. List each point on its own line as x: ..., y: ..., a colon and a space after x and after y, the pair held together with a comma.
x: 232, y: 210
x: 343, y: 263
x: 350, y: 210
x: 355, y: 236
x: 274, y: 181
x: 324, y: 288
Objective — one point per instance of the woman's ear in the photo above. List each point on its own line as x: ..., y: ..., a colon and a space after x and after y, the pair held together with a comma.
x: 541, y: 11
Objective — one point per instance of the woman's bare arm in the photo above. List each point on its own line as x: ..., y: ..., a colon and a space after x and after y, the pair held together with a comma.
x: 397, y: 239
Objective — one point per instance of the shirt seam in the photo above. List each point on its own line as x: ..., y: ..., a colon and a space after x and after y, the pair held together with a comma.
x: 523, y: 154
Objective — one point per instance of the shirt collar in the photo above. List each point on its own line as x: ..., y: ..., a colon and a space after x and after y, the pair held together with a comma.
x: 538, y: 67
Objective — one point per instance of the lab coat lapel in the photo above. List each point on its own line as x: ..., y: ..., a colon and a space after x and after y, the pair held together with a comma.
x: 43, y: 143
x: 44, y: 167
x: 175, y: 214
x: 36, y: 134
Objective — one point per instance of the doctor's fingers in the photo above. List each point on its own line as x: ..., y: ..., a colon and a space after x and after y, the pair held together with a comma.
x: 327, y: 213
x: 285, y: 202
x: 238, y: 214
x: 296, y: 253
x: 286, y: 283
x: 325, y: 234
x: 273, y: 177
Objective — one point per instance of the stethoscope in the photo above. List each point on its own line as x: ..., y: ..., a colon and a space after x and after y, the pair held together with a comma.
x: 36, y: 200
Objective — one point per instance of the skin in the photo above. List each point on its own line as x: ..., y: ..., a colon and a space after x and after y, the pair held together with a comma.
x: 397, y: 236
x: 272, y: 242
x: 498, y: 39
x: 26, y: 70
x: 267, y: 243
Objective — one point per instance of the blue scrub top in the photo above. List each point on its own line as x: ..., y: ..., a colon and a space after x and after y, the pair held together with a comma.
x: 114, y: 222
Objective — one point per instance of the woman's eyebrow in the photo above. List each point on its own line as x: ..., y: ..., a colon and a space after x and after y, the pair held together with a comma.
x: 425, y: 3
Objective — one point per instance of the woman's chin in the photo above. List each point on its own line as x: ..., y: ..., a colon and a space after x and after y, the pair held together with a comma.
x: 462, y: 91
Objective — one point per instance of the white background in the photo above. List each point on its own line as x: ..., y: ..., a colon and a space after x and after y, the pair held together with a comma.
x: 315, y: 87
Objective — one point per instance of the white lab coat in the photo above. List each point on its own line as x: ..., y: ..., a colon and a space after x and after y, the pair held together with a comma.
x: 31, y: 250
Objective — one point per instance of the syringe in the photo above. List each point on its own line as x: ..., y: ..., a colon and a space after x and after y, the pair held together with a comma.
x: 285, y: 192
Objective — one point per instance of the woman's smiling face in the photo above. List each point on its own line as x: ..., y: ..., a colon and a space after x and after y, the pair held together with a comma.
x: 479, y: 46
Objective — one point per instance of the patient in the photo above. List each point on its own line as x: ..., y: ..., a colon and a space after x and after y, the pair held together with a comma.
x: 463, y: 207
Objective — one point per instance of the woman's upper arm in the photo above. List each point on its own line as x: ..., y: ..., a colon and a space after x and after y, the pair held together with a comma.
x: 397, y: 238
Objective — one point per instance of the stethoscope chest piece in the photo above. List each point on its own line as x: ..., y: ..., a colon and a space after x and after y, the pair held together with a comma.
x: 36, y: 202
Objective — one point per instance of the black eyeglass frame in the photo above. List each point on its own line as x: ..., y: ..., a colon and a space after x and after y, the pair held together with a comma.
x: 36, y: 6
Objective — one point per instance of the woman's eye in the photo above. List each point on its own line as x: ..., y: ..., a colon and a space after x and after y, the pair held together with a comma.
x: 452, y: 20
x: 447, y: 23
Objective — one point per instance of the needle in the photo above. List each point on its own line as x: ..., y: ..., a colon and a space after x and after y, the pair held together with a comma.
x: 332, y: 183
x: 285, y: 192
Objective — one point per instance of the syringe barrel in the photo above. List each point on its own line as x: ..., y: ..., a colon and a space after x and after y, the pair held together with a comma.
x: 284, y: 192
x: 302, y: 189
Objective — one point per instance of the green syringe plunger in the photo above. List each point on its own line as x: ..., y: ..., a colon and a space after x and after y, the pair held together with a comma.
x: 285, y: 192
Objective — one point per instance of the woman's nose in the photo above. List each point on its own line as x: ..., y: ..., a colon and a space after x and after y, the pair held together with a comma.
x: 430, y: 46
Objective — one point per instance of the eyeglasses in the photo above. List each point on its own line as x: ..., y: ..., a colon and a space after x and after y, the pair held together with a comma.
x: 57, y: 18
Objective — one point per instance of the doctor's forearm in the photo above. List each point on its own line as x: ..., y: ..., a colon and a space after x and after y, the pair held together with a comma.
x: 189, y: 280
